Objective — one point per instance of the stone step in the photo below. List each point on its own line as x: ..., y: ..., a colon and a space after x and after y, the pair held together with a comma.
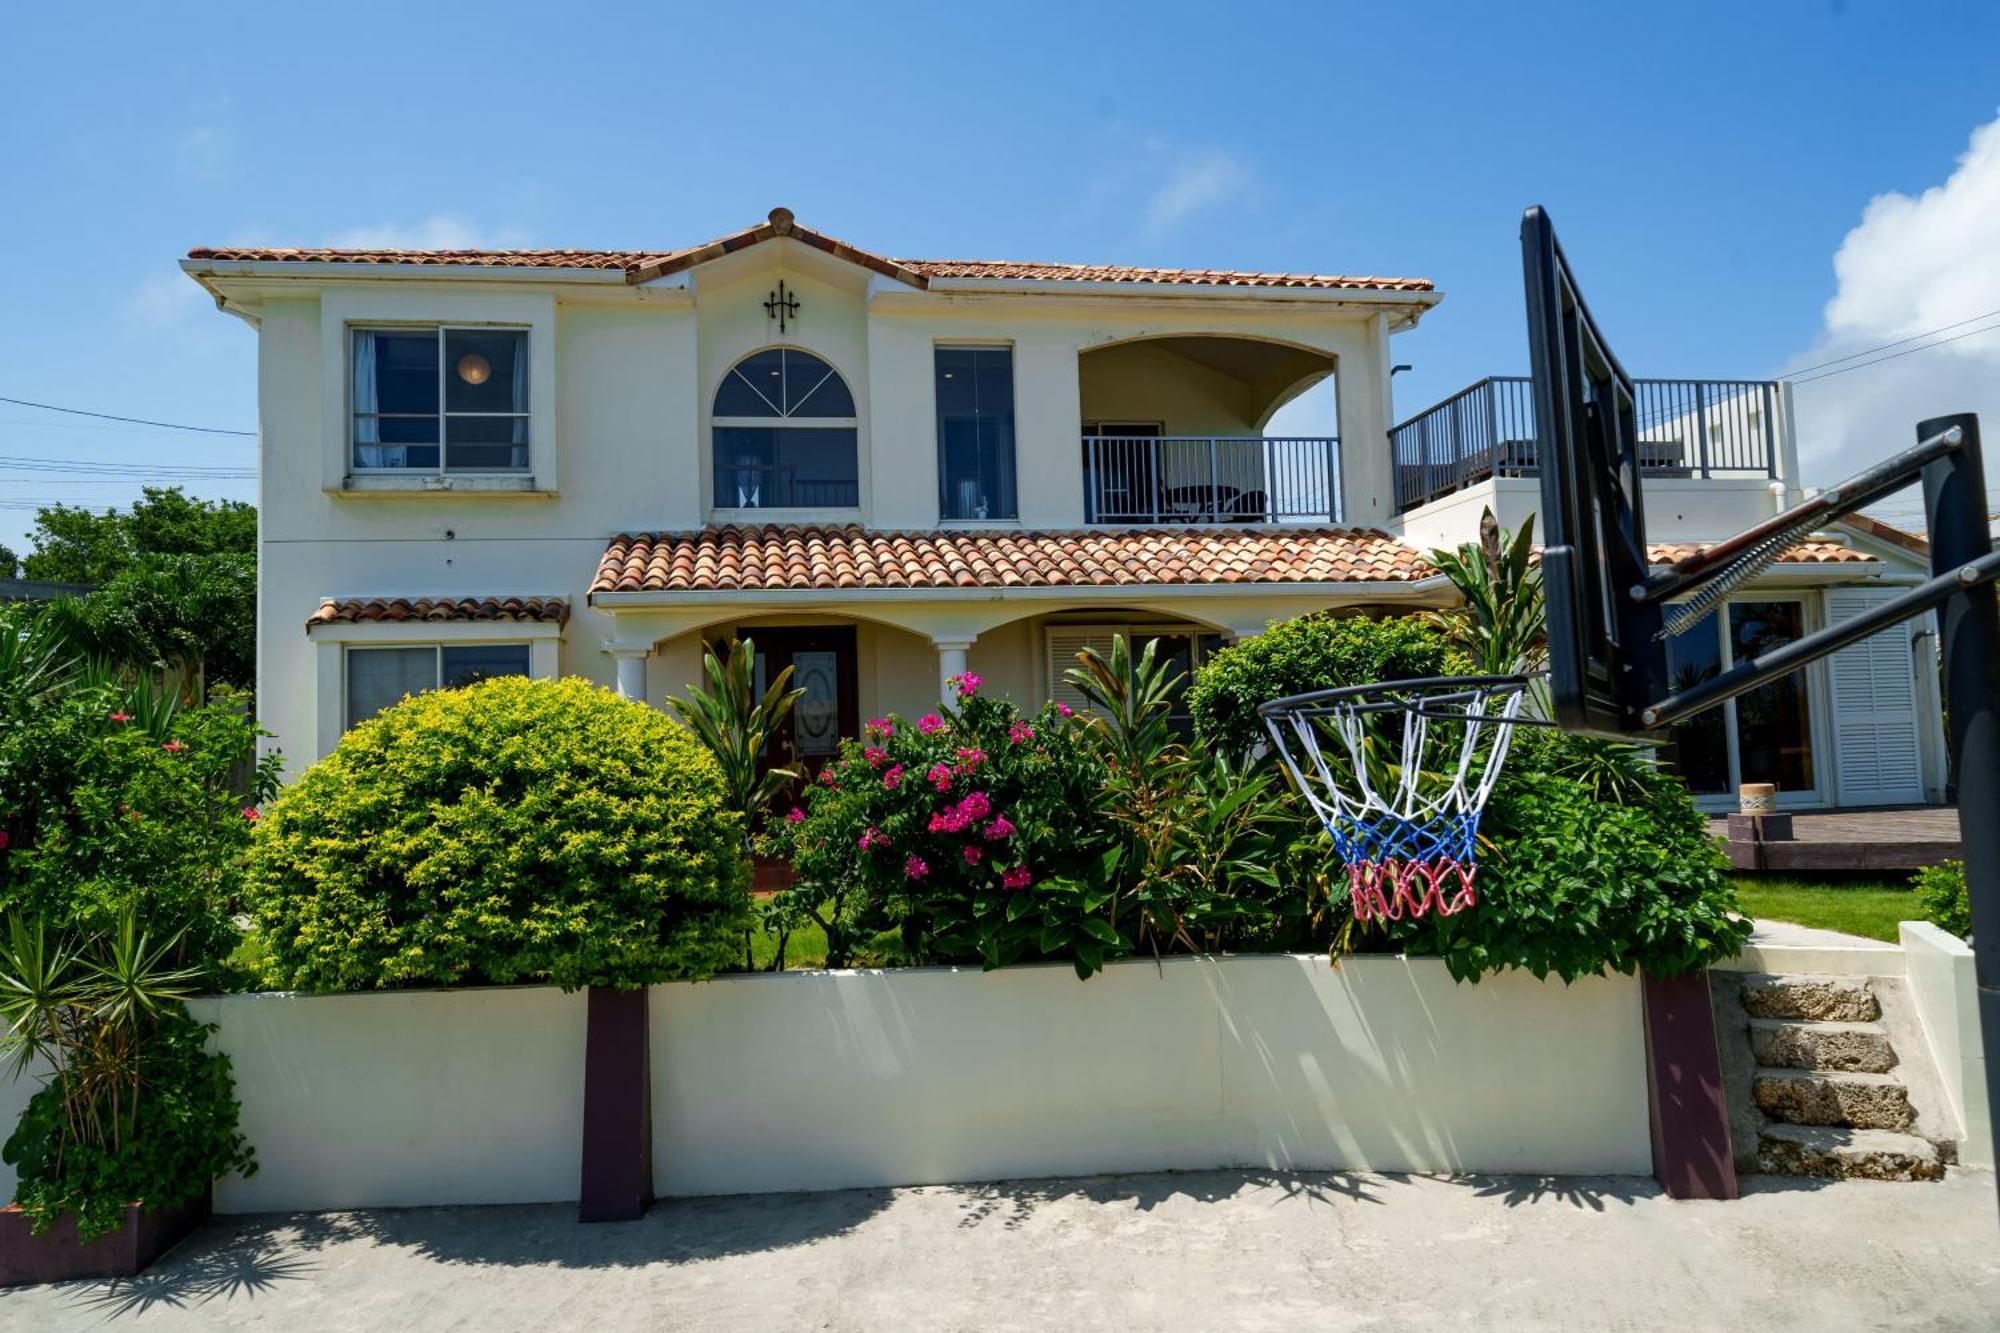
x: 1785, y: 1043
x: 1833, y: 1097
x: 1820, y: 999
x: 1863, y: 1154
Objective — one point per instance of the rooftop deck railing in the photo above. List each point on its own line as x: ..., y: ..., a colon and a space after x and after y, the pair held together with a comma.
x: 1210, y: 479
x: 1687, y: 428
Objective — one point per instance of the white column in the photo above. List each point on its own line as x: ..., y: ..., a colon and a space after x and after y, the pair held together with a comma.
x: 951, y: 662
x: 631, y: 672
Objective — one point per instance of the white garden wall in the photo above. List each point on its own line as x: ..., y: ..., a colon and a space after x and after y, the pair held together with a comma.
x: 404, y: 1098
x: 820, y: 1080
x: 1938, y: 969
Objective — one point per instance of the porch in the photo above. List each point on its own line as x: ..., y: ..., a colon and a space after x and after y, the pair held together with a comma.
x: 1904, y: 838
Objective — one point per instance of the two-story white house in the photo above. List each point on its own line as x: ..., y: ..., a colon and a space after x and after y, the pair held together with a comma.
x: 889, y: 471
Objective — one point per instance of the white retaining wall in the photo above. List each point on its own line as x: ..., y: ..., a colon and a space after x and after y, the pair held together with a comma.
x: 1938, y: 969
x: 404, y: 1097
x: 821, y: 1080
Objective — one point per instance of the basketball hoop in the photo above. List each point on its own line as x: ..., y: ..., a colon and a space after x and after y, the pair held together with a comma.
x: 1402, y: 785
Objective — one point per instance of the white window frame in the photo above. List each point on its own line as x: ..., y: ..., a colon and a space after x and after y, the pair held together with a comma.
x: 782, y: 421
x: 437, y: 665
x: 331, y: 641
x: 937, y: 426
x: 1812, y: 617
x: 444, y: 417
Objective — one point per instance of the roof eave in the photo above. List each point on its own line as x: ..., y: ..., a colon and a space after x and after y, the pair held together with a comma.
x: 1375, y: 590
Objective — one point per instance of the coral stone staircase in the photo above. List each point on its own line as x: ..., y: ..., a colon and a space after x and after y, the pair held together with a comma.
x: 1826, y: 1083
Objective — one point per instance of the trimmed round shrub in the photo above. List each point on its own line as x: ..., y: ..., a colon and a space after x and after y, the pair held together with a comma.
x: 512, y: 831
x: 1319, y: 652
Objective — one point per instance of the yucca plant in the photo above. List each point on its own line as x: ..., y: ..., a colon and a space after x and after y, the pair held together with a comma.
x: 737, y: 724
x: 1502, y: 621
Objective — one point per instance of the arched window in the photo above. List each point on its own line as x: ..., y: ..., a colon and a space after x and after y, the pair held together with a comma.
x: 785, y: 435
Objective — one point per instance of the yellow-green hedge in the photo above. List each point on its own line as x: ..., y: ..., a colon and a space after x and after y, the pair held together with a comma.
x: 511, y: 831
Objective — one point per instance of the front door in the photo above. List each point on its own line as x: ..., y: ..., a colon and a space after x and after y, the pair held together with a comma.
x: 822, y: 662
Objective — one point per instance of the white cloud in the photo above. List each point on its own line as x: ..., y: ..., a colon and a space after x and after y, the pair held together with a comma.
x: 1195, y: 181
x: 440, y: 231
x: 206, y: 152
x: 1910, y: 266
x: 166, y: 298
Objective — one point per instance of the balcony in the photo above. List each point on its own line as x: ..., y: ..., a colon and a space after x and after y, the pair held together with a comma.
x: 1687, y: 428
x: 1185, y: 479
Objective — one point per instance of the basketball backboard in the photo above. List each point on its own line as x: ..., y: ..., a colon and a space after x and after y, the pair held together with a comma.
x: 1605, y: 653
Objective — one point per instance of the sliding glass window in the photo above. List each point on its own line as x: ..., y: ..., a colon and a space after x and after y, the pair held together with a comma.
x: 975, y: 400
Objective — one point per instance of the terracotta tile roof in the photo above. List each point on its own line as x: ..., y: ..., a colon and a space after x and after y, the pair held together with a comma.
x: 368, y: 610
x: 1188, y: 277
x: 1915, y: 543
x: 732, y: 559
x: 644, y: 265
x: 1800, y: 553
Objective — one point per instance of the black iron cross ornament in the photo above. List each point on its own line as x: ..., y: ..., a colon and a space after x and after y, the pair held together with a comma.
x: 782, y: 305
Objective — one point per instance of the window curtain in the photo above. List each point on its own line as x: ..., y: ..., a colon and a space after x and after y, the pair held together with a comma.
x: 520, y: 386
x: 367, y: 427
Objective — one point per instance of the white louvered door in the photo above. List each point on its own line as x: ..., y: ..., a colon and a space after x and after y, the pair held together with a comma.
x: 1065, y: 642
x: 1877, y: 757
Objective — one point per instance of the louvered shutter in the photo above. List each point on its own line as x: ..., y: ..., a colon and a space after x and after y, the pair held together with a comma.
x: 1065, y: 642
x: 1877, y: 759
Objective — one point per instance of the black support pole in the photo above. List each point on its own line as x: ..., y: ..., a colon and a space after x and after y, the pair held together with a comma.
x: 1955, y: 506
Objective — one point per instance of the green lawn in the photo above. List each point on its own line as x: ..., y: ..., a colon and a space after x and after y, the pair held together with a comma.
x: 1867, y: 906
x: 804, y: 948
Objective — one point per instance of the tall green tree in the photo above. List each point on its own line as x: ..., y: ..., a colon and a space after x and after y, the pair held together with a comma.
x: 77, y: 545
x: 10, y: 564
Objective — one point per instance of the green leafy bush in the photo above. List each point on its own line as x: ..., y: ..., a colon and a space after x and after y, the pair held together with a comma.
x: 516, y: 830
x: 1571, y: 884
x: 1946, y: 903
x: 1320, y: 652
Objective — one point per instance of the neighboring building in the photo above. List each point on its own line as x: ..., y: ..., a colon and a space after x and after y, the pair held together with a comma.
x: 41, y: 590
x: 890, y: 471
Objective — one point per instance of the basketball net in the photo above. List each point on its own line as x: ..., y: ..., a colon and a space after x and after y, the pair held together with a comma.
x: 1398, y: 774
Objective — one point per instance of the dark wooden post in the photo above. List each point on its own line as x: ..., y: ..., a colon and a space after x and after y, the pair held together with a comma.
x: 617, y: 1108
x: 1684, y: 1095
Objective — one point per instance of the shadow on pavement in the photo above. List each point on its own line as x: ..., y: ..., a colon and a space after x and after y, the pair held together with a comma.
x: 1013, y: 1202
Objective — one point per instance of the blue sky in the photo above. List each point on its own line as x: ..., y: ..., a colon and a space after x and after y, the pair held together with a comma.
x: 1705, y: 163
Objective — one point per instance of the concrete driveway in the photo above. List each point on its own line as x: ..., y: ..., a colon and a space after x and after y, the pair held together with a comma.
x: 1221, y: 1250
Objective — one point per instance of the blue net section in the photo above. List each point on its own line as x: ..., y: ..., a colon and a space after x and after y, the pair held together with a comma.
x: 1379, y: 836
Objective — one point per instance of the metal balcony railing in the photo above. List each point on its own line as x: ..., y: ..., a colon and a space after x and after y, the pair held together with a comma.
x: 1211, y: 479
x: 1687, y: 428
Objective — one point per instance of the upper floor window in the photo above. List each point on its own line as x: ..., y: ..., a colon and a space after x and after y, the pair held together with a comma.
x: 975, y: 404
x: 785, y: 435
x: 440, y: 399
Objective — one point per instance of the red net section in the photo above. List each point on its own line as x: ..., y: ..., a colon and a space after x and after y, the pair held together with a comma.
x: 1396, y: 890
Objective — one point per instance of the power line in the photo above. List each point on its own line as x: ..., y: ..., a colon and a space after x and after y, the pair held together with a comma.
x: 1894, y: 355
x: 1870, y: 351
x: 136, y: 421
x: 184, y: 471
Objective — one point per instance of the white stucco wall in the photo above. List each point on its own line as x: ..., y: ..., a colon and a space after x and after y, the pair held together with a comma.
x: 819, y: 1080
x: 405, y: 1098
x: 1938, y: 968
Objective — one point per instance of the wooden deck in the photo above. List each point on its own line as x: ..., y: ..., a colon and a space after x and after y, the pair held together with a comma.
x: 1898, y: 839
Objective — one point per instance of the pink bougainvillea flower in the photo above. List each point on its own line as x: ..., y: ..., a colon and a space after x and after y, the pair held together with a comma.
x: 1016, y: 878
x: 121, y: 717
x: 975, y: 806
x: 250, y: 812
x: 893, y: 777
x: 947, y: 821
x: 882, y: 726
x: 999, y: 830
x: 1020, y: 733
x: 940, y: 776
x: 795, y: 816
x: 914, y: 868
x: 173, y: 747
x: 872, y: 837
x: 876, y: 756
x: 973, y: 855
x: 967, y: 683
x: 930, y: 724
x: 969, y: 759
x: 826, y: 777
x: 1065, y: 710
x: 4, y: 838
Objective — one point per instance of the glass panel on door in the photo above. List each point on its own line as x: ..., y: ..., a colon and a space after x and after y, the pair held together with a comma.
x: 816, y: 716
x: 1774, y: 722
x: 1698, y: 749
